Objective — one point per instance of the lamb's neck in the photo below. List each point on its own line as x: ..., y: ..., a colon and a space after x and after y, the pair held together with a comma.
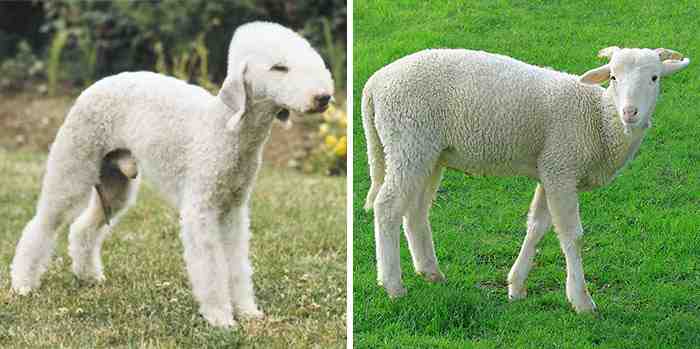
x: 621, y: 145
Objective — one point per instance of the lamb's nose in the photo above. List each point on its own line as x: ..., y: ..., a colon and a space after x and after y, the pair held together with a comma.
x: 629, y: 111
x: 322, y: 101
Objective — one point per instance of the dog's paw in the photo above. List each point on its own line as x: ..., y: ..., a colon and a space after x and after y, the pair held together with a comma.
x: 89, y: 275
x: 22, y: 290
x: 251, y: 314
x: 218, y: 317
x: 24, y: 286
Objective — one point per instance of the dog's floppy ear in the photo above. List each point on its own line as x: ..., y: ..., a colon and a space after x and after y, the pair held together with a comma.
x: 232, y: 93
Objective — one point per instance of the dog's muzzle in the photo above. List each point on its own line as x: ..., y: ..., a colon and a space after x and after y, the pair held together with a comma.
x: 283, y: 115
x: 321, y: 102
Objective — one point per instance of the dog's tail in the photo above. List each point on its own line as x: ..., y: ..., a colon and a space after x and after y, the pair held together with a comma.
x: 375, y: 149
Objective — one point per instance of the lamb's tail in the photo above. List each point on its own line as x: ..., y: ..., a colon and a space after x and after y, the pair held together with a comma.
x: 375, y: 150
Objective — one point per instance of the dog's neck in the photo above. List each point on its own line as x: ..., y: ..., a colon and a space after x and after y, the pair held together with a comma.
x: 254, y: 126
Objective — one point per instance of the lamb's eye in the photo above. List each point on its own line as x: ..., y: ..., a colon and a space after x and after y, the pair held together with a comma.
x: 279, y: 68
x: 654, y: 78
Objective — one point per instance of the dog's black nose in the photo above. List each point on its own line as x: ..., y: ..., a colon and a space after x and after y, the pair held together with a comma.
x: 322, y: 101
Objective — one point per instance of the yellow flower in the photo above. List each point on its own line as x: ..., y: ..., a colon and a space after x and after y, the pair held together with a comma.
x: 342, y: 147
x: 343, y: 120
x: 323, y: 129
x: 329, y: 115
x: 331, y: 141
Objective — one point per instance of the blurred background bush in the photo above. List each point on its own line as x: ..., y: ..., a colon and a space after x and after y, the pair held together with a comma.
x: 53, y: 49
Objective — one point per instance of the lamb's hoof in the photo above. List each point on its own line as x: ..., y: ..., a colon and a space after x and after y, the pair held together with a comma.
x: 396, y: 291
x: 251, y: 314
x: 218, y: 317
x: 432, y: 276
x: 583, y: 305
x: 516, y: 293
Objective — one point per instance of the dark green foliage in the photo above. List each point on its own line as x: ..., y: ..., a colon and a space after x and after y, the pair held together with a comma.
x: 17, y: 72
x: 20, y: 21
x: 124, y: 33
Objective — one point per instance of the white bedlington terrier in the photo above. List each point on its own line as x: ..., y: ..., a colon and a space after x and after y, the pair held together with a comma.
x: 201, y: 152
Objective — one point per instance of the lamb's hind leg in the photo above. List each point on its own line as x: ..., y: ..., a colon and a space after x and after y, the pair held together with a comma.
x: 419, y: 233
x: 406, y: 175
x: 109, y: 200
x: 538, y: 222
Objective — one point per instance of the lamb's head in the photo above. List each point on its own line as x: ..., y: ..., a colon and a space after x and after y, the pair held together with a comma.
x: 635, y: 76
x: 270, y: 63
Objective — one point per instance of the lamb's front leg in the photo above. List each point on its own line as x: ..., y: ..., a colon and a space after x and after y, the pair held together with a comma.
x: 563, y: 206
x: 206, y: 264
x: 538, y: 222
x: 236, y: 238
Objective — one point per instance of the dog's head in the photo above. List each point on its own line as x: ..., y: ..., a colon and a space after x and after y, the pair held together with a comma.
x: 270, y: 62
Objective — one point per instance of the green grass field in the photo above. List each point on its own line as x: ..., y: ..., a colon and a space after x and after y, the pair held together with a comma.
x: 298, y: 251
x: 642, y: 240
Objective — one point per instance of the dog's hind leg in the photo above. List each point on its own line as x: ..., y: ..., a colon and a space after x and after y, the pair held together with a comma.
x: 108, y: 201
x: 66, y: 188
x: 33, y: 253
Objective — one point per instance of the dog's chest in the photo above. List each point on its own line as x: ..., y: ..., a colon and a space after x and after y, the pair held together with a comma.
x: 235, y: 175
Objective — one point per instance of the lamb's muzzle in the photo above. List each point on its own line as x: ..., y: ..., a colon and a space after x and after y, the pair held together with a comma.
x: 629, y: 114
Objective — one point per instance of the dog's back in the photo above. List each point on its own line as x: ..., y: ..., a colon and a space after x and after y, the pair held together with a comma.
x: 152, y: 116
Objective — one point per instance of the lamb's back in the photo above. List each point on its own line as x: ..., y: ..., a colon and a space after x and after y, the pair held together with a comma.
x: 491, y: 113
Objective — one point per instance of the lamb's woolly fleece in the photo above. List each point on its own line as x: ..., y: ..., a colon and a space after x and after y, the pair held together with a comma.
x: 488, y: 114
x: 177, y: 134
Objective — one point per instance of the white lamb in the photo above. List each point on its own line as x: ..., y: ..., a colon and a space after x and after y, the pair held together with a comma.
x: 202, y: 153
x: 487, y: 114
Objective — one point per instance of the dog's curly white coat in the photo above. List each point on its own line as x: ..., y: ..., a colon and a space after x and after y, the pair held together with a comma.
x: 489, y: 114
x: 201, y: 152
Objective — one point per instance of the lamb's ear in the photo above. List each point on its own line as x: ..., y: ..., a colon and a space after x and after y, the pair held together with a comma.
x: 608, y: 52
x: 666, y: 54
x: 671, y: 66
x: 232, y: 93
x: 596, y: 76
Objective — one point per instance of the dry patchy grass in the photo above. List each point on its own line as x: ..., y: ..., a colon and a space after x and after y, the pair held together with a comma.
x: 299, y: 254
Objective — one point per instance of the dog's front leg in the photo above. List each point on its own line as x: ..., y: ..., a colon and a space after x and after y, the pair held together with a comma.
x: 236, y: 237
x: 206, y: 264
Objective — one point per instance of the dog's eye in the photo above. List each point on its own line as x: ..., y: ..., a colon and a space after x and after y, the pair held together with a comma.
x: 654, y: 78
x: 279, y: 68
